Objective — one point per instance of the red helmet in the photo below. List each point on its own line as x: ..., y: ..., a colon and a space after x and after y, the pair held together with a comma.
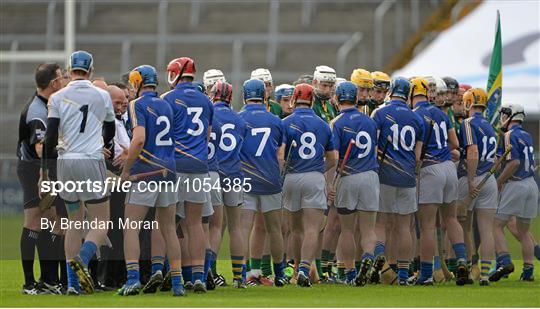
x: 180, y: 67
x: 465, y: 87
x: 303, y: 94
x: 221, y: 91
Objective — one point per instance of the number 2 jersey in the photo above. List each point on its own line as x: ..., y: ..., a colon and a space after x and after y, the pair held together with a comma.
x: 522, y: 150
x: 263, y: 136
x: 476, y: 130
x: 193, y: 114
x: 82, y: 108
x: 156, y: 117
x: 313, y: 139
x: 397, y: 121
x: 353, y: 125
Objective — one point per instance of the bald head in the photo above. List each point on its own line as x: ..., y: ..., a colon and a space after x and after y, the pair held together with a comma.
x: 119, y: 99
x: 100, y: 84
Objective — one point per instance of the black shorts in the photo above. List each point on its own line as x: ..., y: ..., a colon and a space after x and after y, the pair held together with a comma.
x: 28, y: 174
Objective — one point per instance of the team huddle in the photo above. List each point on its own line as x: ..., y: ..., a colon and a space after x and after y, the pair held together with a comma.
x: 368, y: 181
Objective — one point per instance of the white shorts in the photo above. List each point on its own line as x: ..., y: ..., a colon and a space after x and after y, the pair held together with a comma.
x: 487, y: 198
x: 216, y: 198
x: 304, y: 190
x: 191, y: 187
x: 164, y: 197
x: 358, y: 192
x: 262, y: 203
x: 519, y: 199
x: 397, y: 200
x: 233, y: 198
x: 76, y: 171
x: 207, y: 210
x: 438, y: 184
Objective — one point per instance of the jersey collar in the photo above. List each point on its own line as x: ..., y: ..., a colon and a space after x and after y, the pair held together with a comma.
x: 80, y: 82
x: 149, y: 94
x: 478, y: 115
x: 221, y: 104
x: 349, y: 109
x: 423, y: 104
x: 399, y: 102
x: 184, y: 85
x: 303, y: 111
x: 256, y: 106
x: 43, y: 99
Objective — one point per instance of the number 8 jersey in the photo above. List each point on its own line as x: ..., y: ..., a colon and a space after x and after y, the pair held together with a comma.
x: 476, y: 130
x: 82, y: 108
x: 263, y: 136
x: 193, y: 114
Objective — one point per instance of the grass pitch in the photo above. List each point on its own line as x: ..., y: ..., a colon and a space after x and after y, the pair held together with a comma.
x: 506, y: 293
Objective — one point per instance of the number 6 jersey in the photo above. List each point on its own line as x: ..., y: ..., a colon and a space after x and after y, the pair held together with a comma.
x: 193, y: 114
x: 82, y: 108
x: 263, y: 136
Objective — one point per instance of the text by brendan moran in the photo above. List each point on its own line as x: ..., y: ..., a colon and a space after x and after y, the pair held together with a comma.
x: 94, y: 224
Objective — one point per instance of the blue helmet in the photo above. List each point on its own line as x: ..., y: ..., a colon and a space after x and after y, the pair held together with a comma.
x: 254, y: 89
x: 200, y: 86
x: 346, y: 91
x: 81, y: 60
x: 143, y: 76
x: 400, y: 87
x: 284, y: 90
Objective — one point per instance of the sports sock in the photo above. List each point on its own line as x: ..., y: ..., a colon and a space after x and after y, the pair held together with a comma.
x: 133, y: 275
x: 484, y: 270
x: 57, y: 256
x: 244, y: 272
x: 237, y: 266
x: 278, y: 269
x: 166, y: 265
x: 255, y: 267
x: 157, y: 263
x: 176, y: 277
x: 198, y: 273
x: 341, y: 270
x: 208, y: 260
x: 528, y: 270
x: 248, y: 265
x: 28, y: 245
x: 416, y: 264
x: 350, y: 274
x: 266, y: 265
x: 436, y: 262
x: 452, y: 265
x: 187, y: 273
x: 213, y: 267
x: 72, y: 279
x: 403, y: 269
x: 319, y: 267
x: 460, y: 251
x: 357, y: 265
x: 44, y: 247
x: 379, y: 248
x: 394, y: 267
x: 426, y: 271
x: 304, y: 267
x: 505, y: 258
x: 88, y: 249
x: 368, y: 255
x: 537, y: 252
x: 325, y: 260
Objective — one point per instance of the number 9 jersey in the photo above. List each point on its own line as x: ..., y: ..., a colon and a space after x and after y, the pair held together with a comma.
x: 155, y: 116
x: 263, y: 136
x: 193, y: 113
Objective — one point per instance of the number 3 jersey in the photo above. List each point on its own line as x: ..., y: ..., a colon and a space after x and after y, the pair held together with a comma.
x: 522, y: 150
x: 313, y: 138
x: 193, y: 114
x: 397, y: 121
x: 82, y: 108
x: 263, y: 136
x: 358, y: 127
x: 156, y: 117
x: 476, y: 130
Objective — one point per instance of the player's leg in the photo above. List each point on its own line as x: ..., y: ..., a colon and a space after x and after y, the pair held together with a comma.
x: 368, y: 239
x: 257, y: 241
x: 297, y: 233
x: 380, y: 245
x: 527, y: 248
x: 487, y: 243
x: 236, y: 242
x: 511, y: 226
x: 272, y: 223
x: 426, y: 215
x: 132, y: 252
x: 158, y: 251
x: 456, y: 238
x: 329, y: 243
x: 346, y: 243
x: 251, y: 206
x: 196, y: 243
x: 167, y: 227
x: 311, y: 225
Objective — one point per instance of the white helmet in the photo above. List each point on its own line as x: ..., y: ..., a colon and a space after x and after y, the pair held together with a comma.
x: 211, y: 76
x: 440, y: 84
x: 324, y: 73
x: 340, y: 80
x: 262, y: 74
x: 513, y: 110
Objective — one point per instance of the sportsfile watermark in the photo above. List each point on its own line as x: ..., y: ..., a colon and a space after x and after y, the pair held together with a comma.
x: 115, y: 184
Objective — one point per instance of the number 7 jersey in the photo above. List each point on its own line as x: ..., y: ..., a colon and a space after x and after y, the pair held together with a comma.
x: 263, y: 136
x: 82, y: 108
x: 193, y: 113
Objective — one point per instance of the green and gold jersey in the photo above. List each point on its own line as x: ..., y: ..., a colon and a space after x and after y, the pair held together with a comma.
x: 324, y: 109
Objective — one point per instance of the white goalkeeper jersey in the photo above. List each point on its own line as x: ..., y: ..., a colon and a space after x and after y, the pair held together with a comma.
x: 81, y: 108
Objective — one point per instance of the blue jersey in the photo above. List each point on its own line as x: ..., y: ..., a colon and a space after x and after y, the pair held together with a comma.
x: 522, y: 150
x: 263, y: 136
x: 156, y: 116
x: 437, y: 150
x: 349, y: 125
x: 215, y: 137
x: 193, y: 114
x: 313, y: 138
x: 232, y: 129
x: 397, y: 121
x: 476, y: 130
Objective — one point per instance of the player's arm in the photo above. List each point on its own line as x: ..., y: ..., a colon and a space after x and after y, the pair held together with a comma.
x: 281, y: 156
x: 512, y: 160
x: 472, y: 165
x: 51, y: 141
x: 135, y: 148
x: 109, y: 130
x: 453, y: 142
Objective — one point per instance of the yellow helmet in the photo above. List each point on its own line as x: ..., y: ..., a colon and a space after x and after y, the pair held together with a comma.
x: 381, y: 80
x: 475, y: 97
x: 419, y: 86
x: 362, y: 78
